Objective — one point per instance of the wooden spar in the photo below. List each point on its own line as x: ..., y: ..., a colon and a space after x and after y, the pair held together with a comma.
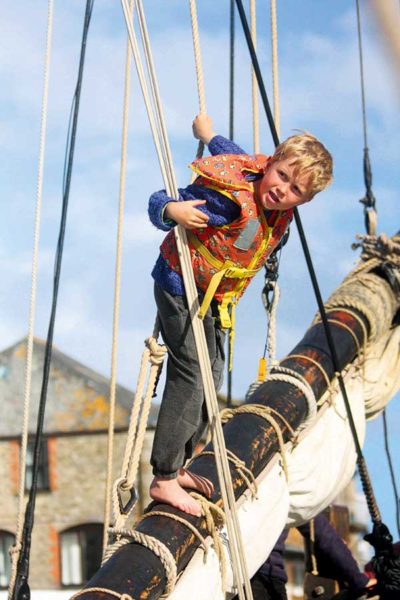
x: 135, y: 570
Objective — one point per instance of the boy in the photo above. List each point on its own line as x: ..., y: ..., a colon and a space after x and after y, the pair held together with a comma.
x: 235, y: 214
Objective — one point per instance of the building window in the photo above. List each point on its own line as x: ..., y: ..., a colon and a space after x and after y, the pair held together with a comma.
x: 81, y: 551
x: 6, y: 541
x: 43, y: 472
x: 4, y: 372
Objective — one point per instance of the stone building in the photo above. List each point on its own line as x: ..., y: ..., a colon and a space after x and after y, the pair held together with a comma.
x: 69, y: 514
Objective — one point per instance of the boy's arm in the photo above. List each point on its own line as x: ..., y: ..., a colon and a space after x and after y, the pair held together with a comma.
x: 157, y: 204
x: 221, y: 145
x: 189, y: 216
x: 165, y: 212
x: 217, y: 144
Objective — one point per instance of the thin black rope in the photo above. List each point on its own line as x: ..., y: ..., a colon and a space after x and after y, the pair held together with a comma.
x: 368, y: 201
x: 21, y: 588
x: 391, y: 469
x: 364, y: 476
x: 362, y: 85
x: 271, y: 277
x: 229, y: 375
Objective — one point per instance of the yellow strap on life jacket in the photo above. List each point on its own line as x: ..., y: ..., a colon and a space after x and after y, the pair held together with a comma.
x: 227, y: 272
x: 226, y: 269
x: 196, y: 243
x: 231, y: 338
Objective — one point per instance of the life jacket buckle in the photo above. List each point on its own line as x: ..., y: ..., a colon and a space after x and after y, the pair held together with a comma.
x: 223, y: 309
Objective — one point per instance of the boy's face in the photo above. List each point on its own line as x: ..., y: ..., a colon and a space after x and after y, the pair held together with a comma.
x: 280, y: 188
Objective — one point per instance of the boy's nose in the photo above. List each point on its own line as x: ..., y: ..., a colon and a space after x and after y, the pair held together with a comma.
x: 282, y: 190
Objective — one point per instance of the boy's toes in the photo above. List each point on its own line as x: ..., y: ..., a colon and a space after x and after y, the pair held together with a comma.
x: 190, y: 509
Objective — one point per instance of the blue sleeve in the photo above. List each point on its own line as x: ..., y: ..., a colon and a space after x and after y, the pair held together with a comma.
x: 157, y: 203
x: 221, y: 145
x: 219, y: 211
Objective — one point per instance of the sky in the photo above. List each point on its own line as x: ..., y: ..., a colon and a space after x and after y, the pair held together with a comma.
x: 319, y: 92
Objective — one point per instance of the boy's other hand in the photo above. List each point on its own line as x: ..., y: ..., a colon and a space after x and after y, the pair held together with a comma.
x: 203, y: 128
x: 186, y: 214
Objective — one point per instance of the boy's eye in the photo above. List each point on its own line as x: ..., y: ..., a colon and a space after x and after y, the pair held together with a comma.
x: 282, y: 174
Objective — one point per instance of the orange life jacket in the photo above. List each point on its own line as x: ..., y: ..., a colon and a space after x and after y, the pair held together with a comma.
x: 226, y: 258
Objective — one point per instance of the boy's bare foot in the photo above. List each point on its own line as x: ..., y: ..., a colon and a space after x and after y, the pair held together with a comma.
x: 169, y: 491
x: 195, y: 482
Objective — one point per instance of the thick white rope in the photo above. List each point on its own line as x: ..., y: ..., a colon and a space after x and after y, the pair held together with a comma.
x: 239, y: 565
x: 254, y: 84
x: 199, y: 72
x: 197, y: 58
x: 296, y: 379
x: 192, y: 296
x: 117, y: 294
x: 32, y: 307
x: 153, y: 354
x: 270, y: 415
x: 103, y: 591
x: 143, y: 85
x: 178, y: 519
x: 387, y: 17
x: 275, y: 72
x: 125, y: 536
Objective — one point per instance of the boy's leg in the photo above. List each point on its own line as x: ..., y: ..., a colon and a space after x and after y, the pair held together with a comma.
x: 181, y: 413
x: 215, y: 341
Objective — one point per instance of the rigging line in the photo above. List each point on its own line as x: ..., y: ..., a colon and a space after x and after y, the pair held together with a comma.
x: 117, y: 289
x: 231, y: 68
x: 21, y: 589
x: 32, y: 306
x: 241, y: 578
x: 369, y: 199
x: 154, y: 126
x: 257, y: 71
x: 360, y: 52
x: 155, y: 94
x: 275, y: 78
x: 199, y: 72
x: 231, y: 130
x: 278, y: 255
x: 391, y: 469
x: 367, y: 486
x: 254, y: 87
x: 223, y: 470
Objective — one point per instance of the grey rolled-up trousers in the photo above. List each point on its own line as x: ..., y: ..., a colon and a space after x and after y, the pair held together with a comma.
x: 183, y: 415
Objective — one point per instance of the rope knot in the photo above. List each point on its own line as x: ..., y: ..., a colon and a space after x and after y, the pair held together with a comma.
x: 215, y: 519
x: 157, y: 351
x: 125, y: 536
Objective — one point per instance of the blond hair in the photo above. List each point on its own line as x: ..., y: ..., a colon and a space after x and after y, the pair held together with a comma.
x: 308, y: 156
